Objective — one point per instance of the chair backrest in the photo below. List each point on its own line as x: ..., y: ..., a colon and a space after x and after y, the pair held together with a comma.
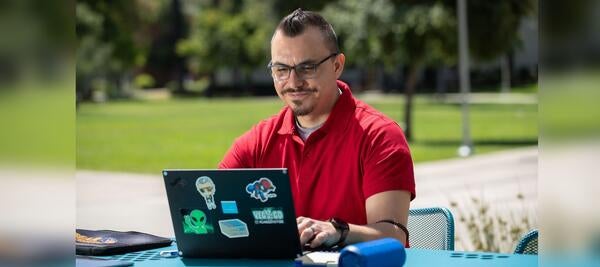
x: 431, y: 228
x: 528, y: 243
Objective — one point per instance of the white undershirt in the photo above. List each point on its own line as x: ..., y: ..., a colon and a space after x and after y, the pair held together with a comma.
x: 306, y: 132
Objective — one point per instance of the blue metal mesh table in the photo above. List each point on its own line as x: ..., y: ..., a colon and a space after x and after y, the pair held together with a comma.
x: 414, y: 258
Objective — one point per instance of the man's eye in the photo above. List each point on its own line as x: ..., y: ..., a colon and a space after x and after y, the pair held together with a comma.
x: 281, y: 69
x: 306, y: 68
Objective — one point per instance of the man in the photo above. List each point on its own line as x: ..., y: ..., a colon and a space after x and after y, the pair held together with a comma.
x: 350, y: 166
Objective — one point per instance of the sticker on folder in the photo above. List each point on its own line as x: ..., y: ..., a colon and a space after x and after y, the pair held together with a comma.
x: 79, y: 238
x: 207, y: 189
x: 196, y: 222
x: 261, y: 189
x: 234, y: 228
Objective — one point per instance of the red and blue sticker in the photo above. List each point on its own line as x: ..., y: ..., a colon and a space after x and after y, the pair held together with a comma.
x: 262, y: 189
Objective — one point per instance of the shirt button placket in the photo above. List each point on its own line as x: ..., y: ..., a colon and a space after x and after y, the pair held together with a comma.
x: 305, y: 152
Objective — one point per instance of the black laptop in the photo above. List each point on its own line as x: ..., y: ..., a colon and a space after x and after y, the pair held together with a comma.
x: 233, y: 213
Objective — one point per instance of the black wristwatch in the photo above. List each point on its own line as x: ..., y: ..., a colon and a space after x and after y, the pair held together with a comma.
x: 343, y: 228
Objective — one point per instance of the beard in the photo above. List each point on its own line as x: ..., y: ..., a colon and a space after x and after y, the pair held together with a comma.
x: 300, y: 107
x: 300, y: 110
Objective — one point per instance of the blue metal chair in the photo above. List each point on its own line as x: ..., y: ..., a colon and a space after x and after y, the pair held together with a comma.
x: 528, y: 243
x: 431, y: 228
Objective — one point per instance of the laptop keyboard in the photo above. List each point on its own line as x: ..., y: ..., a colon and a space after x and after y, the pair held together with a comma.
x: 308, y: 249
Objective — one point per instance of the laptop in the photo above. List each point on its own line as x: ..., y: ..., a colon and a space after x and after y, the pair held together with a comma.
x: 233, y: 213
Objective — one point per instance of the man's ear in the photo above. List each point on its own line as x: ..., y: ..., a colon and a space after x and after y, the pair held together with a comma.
x: 339, y: 65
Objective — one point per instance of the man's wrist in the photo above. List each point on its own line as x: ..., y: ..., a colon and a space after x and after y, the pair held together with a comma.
x: 342, y: 228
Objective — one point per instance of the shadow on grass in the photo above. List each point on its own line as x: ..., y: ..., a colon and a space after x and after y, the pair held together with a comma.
x: 489, y: 142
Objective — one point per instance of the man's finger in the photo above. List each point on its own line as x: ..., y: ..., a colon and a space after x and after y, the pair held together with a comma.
x: 319, y: 239
x: 304, y: 225
x: 300, y: 219
x: 306, y: 235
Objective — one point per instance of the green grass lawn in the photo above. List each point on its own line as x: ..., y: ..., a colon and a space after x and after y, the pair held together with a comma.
x: 137, y: 136
x: 38, y: 128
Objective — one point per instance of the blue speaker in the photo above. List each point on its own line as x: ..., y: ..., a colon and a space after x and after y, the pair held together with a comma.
x: 386, y: 252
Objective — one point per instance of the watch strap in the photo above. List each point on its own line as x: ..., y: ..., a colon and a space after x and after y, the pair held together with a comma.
x: 343, y: 228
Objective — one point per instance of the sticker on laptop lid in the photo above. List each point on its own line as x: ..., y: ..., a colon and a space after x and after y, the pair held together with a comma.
x: 234, y: 228
x: 207, y: 189
x: 229, y: 207
x: 268, y: 215
x: 261, y: 189
x: 196, y: 222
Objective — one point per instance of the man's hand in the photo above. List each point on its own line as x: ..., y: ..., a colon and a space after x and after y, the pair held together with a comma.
x: 316, y: 233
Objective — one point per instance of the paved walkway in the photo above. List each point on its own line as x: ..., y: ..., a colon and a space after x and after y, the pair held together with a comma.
x: 125, y: 201
x: 496, y: 178
x: 456, y: 98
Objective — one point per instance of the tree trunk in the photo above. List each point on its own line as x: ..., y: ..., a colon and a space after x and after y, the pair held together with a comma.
x: 210, y: 90
x: 178, y: 32
x: 369, y: 78
x: 505, y: 73
x: 238, y: 86
x: 441, y: 82
x: 409, y: 90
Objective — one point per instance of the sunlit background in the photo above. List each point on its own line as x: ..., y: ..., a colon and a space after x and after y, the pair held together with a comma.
x: 170, y: 84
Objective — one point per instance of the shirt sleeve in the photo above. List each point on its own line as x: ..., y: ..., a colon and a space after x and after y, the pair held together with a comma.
x: 239, y: 155
x: 387, y: 163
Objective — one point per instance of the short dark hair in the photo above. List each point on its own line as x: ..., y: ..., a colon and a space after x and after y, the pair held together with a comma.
x: 295, y: 23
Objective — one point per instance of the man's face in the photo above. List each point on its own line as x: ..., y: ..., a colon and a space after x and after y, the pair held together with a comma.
x: 309, y: 96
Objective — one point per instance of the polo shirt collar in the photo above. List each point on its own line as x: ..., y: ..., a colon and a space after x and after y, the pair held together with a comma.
x: 339, y: 116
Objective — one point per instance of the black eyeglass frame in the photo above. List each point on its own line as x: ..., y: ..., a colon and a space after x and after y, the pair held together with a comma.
x: 299, y: 66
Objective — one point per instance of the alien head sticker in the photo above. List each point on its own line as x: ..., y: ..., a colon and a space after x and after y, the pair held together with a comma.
x: 261, y: 189
x: 206, y: 188
x: 196, y: 222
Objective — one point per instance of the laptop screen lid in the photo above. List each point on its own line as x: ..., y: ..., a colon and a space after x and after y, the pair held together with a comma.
x: 233, y: 213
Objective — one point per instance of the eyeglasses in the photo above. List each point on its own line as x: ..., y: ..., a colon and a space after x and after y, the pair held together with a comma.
x: 281, y: 72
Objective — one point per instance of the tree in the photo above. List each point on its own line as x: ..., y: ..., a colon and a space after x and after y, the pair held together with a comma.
x: 504, y: 17
x: 393, y: 33
x: 163, y: 62
x: 363, y: 28
x: 423, y: 33
x: 228, y: 35
x: 426, y: 35
x: 112, y: 39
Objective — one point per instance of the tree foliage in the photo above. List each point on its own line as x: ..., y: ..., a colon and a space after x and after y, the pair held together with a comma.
x: 113, y: 37
x: 383, y: 32
x: 116, y: 37
x: 226, y: 35
x: 494, y: 26
x: 423, y: 33
x: 364, y: 29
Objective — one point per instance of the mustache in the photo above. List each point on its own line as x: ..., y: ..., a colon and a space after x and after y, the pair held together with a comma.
x: 298, y: 90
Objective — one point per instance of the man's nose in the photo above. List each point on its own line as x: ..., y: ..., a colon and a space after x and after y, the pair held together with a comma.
x: 295, y: 80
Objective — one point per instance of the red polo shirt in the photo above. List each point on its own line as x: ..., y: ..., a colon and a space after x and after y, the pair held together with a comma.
x: 358, y: 152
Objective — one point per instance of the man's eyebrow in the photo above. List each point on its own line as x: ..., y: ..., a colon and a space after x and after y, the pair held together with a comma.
x: 307, y: 61
x: 279, y: 64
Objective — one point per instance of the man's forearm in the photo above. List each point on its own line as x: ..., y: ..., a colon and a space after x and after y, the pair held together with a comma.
x: 361, y: 233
